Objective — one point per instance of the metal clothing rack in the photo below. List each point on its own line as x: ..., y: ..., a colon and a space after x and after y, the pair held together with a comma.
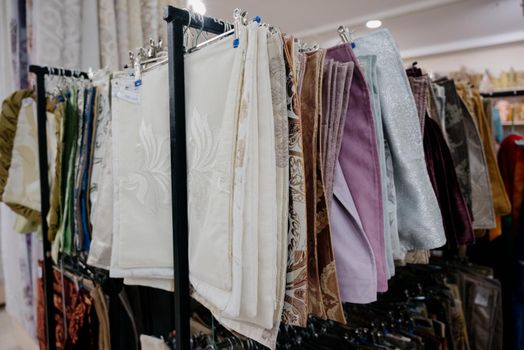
x: 508, y: 93
x: 176, y: 20
x: 47, y: 271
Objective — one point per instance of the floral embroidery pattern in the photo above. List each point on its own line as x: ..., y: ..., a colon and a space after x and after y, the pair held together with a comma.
x: 152, y: 182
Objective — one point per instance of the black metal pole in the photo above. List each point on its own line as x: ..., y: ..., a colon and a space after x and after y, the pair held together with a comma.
x: 177, y: 121
x: 508, y: 93
x: 44, y: 199
x: 176, y: 20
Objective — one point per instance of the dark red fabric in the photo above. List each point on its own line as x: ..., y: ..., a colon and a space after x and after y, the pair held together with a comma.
x: 455, y: 213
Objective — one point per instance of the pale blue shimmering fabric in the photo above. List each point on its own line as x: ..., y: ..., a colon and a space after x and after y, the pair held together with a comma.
x: 418, y: 214
x: 369, y: 65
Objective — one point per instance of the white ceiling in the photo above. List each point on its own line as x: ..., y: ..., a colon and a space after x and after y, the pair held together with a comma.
x: 420, y: 27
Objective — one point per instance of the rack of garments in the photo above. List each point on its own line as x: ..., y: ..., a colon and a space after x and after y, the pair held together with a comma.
x: 47, y: 268
x: 277, y: 194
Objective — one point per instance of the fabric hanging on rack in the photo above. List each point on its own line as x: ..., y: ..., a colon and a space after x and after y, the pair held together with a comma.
x: 64, y: 237
x: 55, y: 176
x: 75, y: 314
x: 455, y: 213
x: 308, y: 94
x: 475, y: 107
x: 277, y: 70
x: 468, y: 157
x: 296, y: 299
x: 101, y: 195
x: 211, y: 135
x: 330, y: 294
x: 387, y: 181
x: 141, y: 177
x: 21, y: 190
x: 264, y: 326
x: 419, y: 221
x: 258, y: 306
x: 360, y: 149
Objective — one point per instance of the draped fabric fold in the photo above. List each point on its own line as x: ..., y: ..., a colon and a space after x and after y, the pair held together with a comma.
x: 419, y: 220
x: 359, y: 150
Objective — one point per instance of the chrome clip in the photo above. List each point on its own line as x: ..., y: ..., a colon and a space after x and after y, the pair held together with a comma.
x: 345, y: 35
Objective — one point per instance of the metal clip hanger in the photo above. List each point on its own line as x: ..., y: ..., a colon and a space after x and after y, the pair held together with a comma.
x: 345, y: 35
x: 240, y: 18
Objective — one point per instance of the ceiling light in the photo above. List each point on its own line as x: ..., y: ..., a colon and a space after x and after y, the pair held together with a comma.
x: 374, y: 23
x: 197, y: 6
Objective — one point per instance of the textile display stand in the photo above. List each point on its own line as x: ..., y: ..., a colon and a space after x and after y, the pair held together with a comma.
x: 176, y: 20
x: 47, y: 271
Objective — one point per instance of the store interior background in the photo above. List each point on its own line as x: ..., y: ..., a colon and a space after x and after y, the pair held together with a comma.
x: 443, y: 36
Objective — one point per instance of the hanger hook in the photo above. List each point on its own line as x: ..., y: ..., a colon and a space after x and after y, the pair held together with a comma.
x: 201, y: 29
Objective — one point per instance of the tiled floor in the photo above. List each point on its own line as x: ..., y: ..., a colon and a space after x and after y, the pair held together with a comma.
x: 7, y: 338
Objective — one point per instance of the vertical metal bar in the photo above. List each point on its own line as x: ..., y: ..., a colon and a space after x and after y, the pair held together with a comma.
x: 44, y: 198
x: 177, y: 118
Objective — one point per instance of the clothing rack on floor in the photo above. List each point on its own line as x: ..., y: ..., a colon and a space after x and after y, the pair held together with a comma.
x: 47, y: 271
x: 176, y: 20
x: 508, y: 93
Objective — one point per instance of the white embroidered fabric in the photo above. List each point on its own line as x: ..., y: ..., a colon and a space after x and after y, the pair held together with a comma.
x: 142, y: 229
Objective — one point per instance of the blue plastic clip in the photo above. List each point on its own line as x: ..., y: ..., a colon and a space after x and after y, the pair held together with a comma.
x: 353, y: 45
x: 236, y: 42
x: 138, y: 82
x: 257, y: 19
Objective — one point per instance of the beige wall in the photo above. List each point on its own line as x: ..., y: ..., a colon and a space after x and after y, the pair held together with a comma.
x: 495, y: 58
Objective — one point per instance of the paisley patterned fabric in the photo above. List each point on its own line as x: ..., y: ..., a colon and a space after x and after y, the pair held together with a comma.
x: 277, y: 70
x: 296, y: 298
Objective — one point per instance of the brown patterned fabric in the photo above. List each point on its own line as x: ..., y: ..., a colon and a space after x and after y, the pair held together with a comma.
x: 324, y: 296
x: 76, y: 324
x: 309, y: 112
x: 296, y: 298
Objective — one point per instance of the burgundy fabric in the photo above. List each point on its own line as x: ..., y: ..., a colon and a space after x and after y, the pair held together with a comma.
x: 453, y: 206
x: 359, y: 162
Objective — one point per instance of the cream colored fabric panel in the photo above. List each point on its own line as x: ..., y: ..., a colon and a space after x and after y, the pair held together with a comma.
x: 142, y: 241
x: 23, y: 182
